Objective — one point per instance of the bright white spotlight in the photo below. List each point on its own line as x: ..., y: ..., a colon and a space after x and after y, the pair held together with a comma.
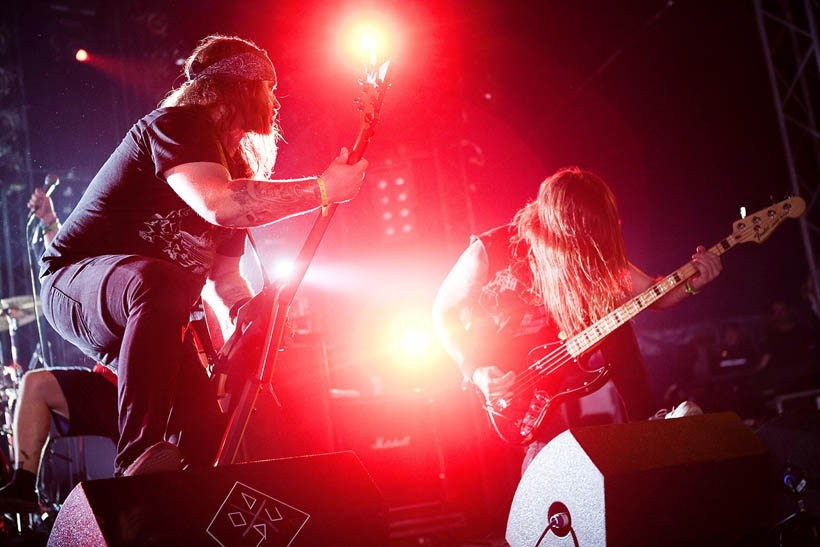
x: 367, y: 35
x: 369, y: 42
x: 284, y: 270
x: 415, y: 341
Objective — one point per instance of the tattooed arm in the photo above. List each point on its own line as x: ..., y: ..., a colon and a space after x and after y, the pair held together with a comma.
x: 246, y: 203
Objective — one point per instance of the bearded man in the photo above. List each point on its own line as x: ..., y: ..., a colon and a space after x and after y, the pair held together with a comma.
x: 165, y: 214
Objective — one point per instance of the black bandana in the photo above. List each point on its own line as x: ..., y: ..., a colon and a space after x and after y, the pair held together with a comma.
x: 245, y: 66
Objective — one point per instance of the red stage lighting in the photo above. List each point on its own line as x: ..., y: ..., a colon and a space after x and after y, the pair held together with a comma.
x: 415, y: 341
x: 367, y: 36
x: 81, y: 55
x: 408, y: 339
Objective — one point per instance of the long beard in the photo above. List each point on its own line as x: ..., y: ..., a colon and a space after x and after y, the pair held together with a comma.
x: 263, y: 123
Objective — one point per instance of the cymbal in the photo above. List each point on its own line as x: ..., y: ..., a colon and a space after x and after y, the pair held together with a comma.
x: 20, y: 308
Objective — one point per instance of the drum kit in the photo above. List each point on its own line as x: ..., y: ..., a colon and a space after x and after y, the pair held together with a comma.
x: 15, y: 312
x: 63, y: 462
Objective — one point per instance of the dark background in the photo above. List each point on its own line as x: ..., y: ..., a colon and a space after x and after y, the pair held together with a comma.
x: 669, y: 102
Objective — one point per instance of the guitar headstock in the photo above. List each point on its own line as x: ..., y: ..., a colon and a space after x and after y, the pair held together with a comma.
x: 760, y: 225
x: 373, y: 87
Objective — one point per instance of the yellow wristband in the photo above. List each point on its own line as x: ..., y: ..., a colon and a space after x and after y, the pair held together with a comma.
x: 53, y: 226
x: 323, y: 191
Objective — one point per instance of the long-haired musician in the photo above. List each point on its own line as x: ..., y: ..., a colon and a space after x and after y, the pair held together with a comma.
x: 164, y: 215
x: 557, y: 268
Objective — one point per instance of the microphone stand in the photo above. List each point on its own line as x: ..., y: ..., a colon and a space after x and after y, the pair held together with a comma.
x: 44, y: 350
x: 51, y: 184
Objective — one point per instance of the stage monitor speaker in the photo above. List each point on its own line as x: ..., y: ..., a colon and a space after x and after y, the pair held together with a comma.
x: 794, y: 441
x: 327, y: 499
x: 699, y: 480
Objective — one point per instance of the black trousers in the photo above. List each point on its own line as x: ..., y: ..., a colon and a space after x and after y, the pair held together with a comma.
x: 130, y: 313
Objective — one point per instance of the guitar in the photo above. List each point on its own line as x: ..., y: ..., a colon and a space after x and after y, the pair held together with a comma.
x: 246, y: 362
x: 519, y: 415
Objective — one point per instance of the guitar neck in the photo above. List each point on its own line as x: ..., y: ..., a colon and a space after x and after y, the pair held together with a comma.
x: 593, y: 334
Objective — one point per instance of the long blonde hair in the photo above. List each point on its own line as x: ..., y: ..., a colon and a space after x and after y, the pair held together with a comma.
x: 575, y: 248
x: 231, y: 100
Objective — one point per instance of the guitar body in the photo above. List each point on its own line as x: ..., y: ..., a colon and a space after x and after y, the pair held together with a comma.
x: 535, y: 397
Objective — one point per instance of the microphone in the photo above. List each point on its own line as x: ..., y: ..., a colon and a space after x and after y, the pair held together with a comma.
x: 51, y: 183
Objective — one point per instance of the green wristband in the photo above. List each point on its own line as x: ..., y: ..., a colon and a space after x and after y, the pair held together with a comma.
x: 689, y: 289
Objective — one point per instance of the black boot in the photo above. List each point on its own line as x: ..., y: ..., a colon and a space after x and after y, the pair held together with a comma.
x: 19, y: 495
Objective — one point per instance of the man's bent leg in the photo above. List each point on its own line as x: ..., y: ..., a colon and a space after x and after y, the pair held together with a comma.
x: 159, y: 299
x: 129, y: 312
x: 40, y: 394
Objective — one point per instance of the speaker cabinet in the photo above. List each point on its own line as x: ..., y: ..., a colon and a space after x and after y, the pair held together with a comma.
x: 397, y: 439
x: 699, y: 480
x: 327, y: 499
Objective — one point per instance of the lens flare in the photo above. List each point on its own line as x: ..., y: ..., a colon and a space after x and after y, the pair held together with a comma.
x: 415, y: 341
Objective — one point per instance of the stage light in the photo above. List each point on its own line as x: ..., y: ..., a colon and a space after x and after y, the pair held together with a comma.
x: 415, y: 341
x: 368, y: 36
x: 395, y: 198
x: 284, y: 270
x: 81, y: 55
x: 368, y: 42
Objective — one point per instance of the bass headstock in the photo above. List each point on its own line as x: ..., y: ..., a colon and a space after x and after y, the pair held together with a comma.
x: 760, y: 225
x: 373, y: 87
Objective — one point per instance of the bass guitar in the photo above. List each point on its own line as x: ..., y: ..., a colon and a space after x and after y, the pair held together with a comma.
x: 520, y: 414
x: 246, y: 362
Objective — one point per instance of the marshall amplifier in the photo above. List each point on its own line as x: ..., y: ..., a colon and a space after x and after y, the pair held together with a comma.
x: 397, y: 439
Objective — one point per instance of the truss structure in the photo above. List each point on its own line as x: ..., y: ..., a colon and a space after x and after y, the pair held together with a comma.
x: 789, y: 35
x: 15, y: 166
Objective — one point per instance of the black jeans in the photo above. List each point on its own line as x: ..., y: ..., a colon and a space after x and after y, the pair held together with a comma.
x: 130, y: 313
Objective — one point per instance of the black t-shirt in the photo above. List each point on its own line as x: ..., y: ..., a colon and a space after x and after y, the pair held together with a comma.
x: 129, y: 208
x: 516, y: 325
